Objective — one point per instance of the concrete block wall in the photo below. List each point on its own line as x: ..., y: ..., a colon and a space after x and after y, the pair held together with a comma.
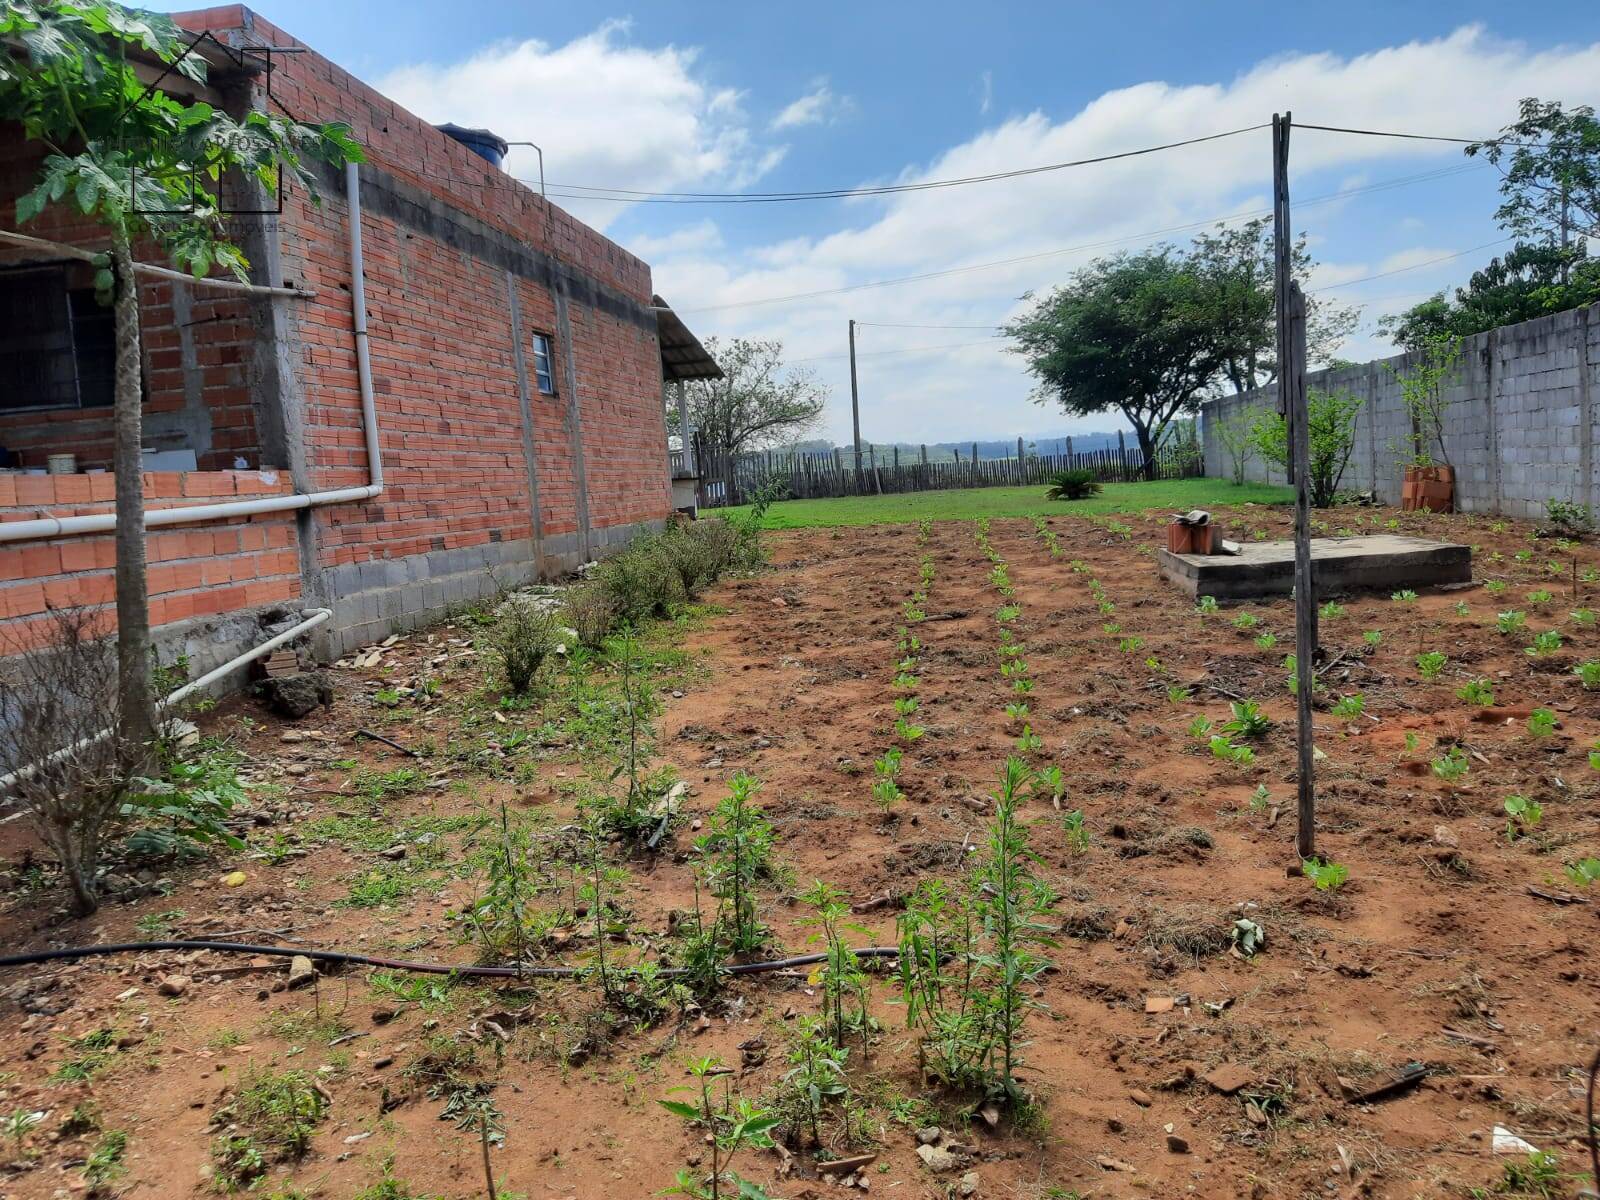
x: 1520, y: 418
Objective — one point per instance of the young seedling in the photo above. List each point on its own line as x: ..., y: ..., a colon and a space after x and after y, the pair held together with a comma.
x: 1177, y: 693
x: 1430, y: 664
x: 1372, y: 637
x: 1241, y: 756
x: 1589, y: 674
x: 1348, y: 708
x: 730, y: 1126
x: 1247, y: 937
x: 1542, y: 596
x: 816, y: 1074
x: 1523, y: 816
x: 1511, y: 621
x: 1452, y: 765
x: 1476, y: 691
x: 1494, y: 586
x: 1582, y: 616
x: 1541, y: 723
x: 906, y: 731
x: 1207, y: 604
x: 1017, y: 711
x: 1404, y: 596
x: 1029, y: 742
x: 840, y: 974
x: 1583, y: 872
x: 1325, y: 876
x: 1077, y: 834
x: 1248, y: 721
x: 1545, y: 644
x: 1200, y: 728
x: 1463, y: 609
x: 1331, y: 611
x: 1246, y: 621
x: 1266, y: 641
x: 1260, y: 799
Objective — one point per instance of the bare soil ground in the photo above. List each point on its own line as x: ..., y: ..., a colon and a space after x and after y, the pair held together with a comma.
x: 1451, y: 944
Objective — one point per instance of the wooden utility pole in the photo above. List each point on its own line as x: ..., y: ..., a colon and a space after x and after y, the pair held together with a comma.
x: 855, y: 400
x: 1291, y: 310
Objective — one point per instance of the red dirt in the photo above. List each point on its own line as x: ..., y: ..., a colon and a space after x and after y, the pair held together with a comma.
x: 1436, y: 929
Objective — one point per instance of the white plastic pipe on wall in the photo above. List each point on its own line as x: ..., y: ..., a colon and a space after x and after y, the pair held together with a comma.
x: 155, y: 518
x: 314, y: 617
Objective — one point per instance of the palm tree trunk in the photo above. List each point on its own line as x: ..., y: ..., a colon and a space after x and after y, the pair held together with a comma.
x: 137, y: 718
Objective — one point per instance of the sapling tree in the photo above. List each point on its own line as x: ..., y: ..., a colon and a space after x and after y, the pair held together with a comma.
x: 139, y: 163
x: 736, y: 852
x: 731, y: 1125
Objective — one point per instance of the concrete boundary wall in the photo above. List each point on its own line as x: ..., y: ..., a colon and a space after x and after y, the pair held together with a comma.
x: 1520, y: 418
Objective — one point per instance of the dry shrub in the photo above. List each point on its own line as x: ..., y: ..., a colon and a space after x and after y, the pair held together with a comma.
x: 590, y: 612
x: 71, y: 775
x: 641, y: 581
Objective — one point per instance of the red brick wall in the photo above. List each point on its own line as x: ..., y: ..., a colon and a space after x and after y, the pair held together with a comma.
x: 195, y: 570
x: 219, y: 328
x: 443, y: 366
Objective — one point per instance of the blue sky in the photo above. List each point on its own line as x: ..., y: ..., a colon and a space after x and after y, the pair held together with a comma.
x: 767, y: 97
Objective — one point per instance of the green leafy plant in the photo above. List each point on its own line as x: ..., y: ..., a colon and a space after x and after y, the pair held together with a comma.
x: 1260, y: 799
x: 731, y: 1126
x: 1430, y: 664
x: 1583, y: 872
x: 1541, y: 723
x: 1349, y: 707
x: 1331, y: 611
x: 1077, y: 833
x: 1266, y: 641
x: 1246, y: 621
x: 1589, y: 674
x: 1541, y: 596
x: 1545, y: 644
x: 1207, y: 604
x: 1372, y: 637
x: 1582, y: 616
x: 1452, y: 764
x: 1200, y: 728
x: 1232, y: 752
x: 1247, y: 937
x: 1326, y: 876
x: 840, y: 976
x: 1523, y: 816
x: 1247, y: 721
x: 1511, y: 622
x: 1076, y: 484
x: 816, y: 1076
x: 1404, y: 596
x: 1177, y: 693
x: 524, y: 638
x: 1476, y: 691
x: 736, y: 854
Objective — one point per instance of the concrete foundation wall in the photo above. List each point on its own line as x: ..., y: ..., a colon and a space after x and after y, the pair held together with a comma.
x: 1520, y: 419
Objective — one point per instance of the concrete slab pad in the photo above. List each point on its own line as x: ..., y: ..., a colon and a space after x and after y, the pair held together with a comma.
x: 1381, y: 561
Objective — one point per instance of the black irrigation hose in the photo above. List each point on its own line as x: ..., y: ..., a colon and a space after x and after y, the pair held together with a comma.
x: 395, y: 964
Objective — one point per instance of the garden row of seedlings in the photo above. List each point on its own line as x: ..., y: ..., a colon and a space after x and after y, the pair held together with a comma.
x: 908, y: 648
x: 1230, y: 742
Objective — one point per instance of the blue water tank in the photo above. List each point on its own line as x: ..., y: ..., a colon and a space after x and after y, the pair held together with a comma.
x: 482, y: 142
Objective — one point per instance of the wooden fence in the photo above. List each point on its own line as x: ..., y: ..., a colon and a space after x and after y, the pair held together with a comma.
x: 727, y: 479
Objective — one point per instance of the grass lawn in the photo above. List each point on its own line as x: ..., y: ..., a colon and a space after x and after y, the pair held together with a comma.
x: 1179, y: 495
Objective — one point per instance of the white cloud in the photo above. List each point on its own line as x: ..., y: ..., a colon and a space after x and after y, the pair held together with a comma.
x: 819, y: 106
x: 605, y: 111
x: 1466, y: 83
x: 985, y: 93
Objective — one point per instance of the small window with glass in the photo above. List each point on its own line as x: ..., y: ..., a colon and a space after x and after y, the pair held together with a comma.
x: 544, y: 364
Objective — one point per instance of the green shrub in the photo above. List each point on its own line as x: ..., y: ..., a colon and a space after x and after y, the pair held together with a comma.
x: 524, y: 637
x: 641, y: 581
x: 1076, y: 484
x: 689, y: 557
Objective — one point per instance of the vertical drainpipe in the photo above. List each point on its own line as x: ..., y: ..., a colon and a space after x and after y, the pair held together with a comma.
x: 580, y: 474
x: 530, y: 449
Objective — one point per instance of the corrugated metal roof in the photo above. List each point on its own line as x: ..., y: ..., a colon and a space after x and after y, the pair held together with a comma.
x: 682, y: 355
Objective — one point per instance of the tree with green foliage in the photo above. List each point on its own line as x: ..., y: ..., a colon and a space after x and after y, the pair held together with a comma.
x: 142, y: 164
x: 1331, y: 424
x: 1237, y: 264
x: 1549, y: 159
x: 757, y: 403
x: 1136, y: 333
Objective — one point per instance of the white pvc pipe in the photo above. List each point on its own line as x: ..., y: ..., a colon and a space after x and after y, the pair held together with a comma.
x: 317, y: 617
x: 62, y: 250
x: 191, y: 514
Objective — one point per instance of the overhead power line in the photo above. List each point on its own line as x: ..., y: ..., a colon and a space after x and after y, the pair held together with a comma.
x: 1417, y: 137
x: 628, y: 196
x: 1382, y: 185
x: 992, y: 341
x: 1412, y: 267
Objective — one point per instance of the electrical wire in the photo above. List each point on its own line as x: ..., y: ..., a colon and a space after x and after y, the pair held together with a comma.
x: 625, y: 195
x: 1417, y: 137
x: 1413, y: 267
x: 1187, y: 227
x: 71, y: 953
x: 992, y: 341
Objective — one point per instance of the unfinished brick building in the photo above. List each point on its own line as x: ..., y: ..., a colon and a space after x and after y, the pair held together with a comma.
x: 509, y: 424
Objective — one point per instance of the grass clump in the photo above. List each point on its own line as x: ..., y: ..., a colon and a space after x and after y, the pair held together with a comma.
x: 271, y: 1117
